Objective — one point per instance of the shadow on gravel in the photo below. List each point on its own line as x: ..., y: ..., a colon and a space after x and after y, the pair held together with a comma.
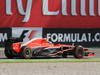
x: 71, y: 57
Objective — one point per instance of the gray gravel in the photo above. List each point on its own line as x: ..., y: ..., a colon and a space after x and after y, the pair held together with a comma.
x: 50, y: 68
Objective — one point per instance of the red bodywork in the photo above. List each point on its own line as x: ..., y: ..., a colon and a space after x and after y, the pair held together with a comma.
x: 37, y: 43
x: 42, y: 42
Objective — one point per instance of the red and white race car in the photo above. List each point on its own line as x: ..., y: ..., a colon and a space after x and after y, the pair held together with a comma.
x: 40, y: 47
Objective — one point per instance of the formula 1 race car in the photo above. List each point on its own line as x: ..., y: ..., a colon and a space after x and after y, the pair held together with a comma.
x: 40, y: 47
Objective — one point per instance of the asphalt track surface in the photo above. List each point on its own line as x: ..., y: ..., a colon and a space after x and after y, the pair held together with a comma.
x: 91, y: 68
x: 97, y: 50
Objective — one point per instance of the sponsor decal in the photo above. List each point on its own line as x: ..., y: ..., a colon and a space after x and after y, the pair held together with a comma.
x: 73, y: 37
x: 50, y: 13
x: 27, y: 33
x: 5, y: 33
x: 85, y: 37
x: 46, y: 11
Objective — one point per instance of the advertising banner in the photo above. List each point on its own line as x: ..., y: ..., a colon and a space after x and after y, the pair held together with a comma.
x: 5, y: 33
x: 27, y: 33
x: 84, y: 37
x: 50, y: 13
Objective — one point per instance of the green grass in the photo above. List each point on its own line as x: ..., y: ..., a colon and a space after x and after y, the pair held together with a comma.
x: 1, y: 49
x: 46, y: 60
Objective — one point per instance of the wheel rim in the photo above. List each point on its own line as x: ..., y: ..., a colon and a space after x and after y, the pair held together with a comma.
x: 27, y: 52
x: 80, y: 53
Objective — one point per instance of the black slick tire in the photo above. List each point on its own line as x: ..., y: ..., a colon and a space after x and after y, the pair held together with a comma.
x: 26, y: 53
x: 8, y: 54
x: 78, y: 52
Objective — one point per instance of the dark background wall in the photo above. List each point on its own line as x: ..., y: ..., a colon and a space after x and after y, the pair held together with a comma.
x: 5, y: 33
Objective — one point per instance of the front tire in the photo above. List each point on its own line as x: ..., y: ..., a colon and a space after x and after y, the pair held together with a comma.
x: 78, y: 52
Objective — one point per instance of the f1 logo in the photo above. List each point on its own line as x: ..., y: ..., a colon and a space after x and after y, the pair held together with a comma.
x: 28, y: 34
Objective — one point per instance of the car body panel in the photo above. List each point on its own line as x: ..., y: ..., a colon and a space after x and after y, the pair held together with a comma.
x: 43, y: 47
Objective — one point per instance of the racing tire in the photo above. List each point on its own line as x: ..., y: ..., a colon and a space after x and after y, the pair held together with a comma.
x: 8, y: 54
x: 26, y: 53
x: 78, y: 52
x: 64, y: 55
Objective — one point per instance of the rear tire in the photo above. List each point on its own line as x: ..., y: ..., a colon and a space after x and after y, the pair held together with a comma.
x: 78, y: 52
x: 8, y: 54
x: 26, y: 53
